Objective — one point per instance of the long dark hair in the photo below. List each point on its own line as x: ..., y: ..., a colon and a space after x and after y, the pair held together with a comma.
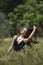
x: 29, y: 30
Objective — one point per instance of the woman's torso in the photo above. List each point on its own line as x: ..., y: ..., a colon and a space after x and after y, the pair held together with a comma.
x: 18, y: 43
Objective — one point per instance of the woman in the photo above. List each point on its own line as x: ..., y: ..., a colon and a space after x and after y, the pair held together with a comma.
x: 19, y: 41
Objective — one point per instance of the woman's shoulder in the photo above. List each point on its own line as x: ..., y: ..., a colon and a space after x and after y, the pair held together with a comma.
x: 15, y: 36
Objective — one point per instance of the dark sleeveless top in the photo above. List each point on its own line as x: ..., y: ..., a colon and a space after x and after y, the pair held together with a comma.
x: 17, y: 46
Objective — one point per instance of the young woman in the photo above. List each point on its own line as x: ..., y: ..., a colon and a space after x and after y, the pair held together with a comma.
x: 19, y: 41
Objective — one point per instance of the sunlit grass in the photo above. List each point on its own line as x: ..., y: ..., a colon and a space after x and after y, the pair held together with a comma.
x: 31, y: 56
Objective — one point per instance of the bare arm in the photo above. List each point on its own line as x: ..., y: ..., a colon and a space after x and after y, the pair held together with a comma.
x: 10, y: 48
x: 30, y: 36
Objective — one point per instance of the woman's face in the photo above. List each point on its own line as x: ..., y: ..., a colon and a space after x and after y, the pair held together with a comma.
x: 23, y: 31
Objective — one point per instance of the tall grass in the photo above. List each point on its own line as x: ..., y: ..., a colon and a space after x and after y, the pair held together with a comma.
x: 31, y: 56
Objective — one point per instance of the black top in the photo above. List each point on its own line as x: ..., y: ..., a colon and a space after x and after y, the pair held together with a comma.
x: 17, y: 46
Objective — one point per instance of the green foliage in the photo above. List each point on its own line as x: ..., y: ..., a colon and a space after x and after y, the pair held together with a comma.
x: 23, y: 13
x: 27, y: 14
x: 4, y: 26
x: 8, y: 5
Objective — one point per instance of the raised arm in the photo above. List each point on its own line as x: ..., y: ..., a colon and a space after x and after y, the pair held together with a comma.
x: 10, y: 48
x: 30, y: 36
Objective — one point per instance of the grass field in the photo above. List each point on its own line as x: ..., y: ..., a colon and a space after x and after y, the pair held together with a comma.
x: 31, y: 56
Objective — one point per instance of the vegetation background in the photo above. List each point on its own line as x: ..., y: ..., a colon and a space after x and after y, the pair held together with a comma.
x: 15, y: 14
